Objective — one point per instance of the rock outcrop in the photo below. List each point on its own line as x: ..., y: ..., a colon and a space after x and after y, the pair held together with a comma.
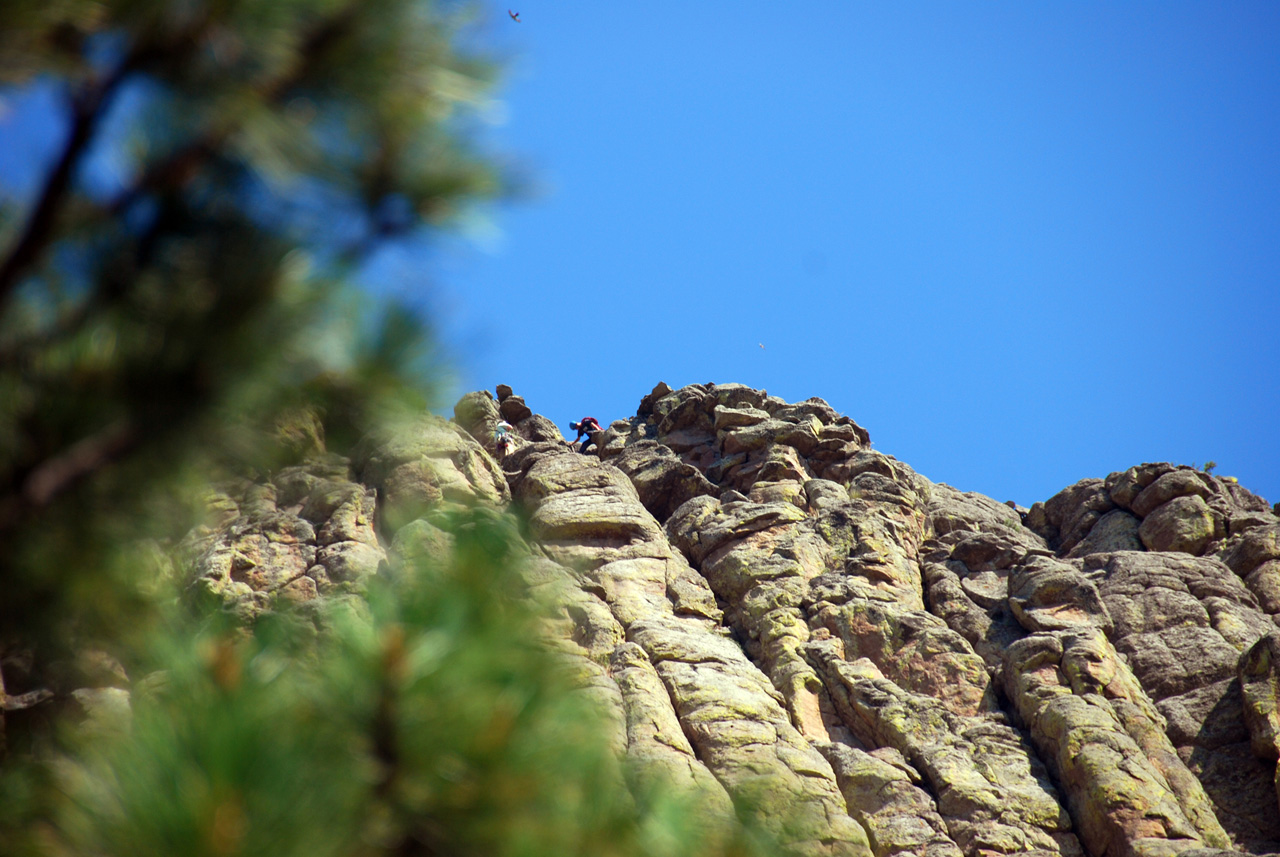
x: 769, y: 609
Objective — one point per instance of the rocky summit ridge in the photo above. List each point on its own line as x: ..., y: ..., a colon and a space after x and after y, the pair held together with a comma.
x: 755, y: 595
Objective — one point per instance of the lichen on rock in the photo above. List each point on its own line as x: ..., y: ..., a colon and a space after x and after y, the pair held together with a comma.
x: 769, y: 611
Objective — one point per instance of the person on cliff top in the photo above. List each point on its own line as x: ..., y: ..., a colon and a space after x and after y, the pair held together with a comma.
x: 585, y: 426
x: 502, y: 437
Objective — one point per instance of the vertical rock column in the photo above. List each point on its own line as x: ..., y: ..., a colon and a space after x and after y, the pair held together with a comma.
x: 1122, y: 803
x: 821, y: 580
x: 1183, y: 624
x: 586, y: 516
x: 1095, y: 725
x: 1186, y: 562
x: 991, y: 791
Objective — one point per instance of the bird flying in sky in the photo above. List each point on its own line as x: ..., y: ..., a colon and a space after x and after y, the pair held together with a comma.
x: 515, y: 16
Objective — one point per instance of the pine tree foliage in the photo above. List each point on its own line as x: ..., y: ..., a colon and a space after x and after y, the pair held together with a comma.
x: 418, y: 721
x: 158, y: 314
x: 185, y: 314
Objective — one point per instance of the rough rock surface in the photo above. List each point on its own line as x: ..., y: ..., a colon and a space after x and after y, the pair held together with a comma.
x: 769, y: 609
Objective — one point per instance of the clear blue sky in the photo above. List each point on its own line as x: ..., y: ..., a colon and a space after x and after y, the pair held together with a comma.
x: 1022, y: 244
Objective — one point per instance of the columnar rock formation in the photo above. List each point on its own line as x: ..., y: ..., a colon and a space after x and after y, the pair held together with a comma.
x: 770, y: 609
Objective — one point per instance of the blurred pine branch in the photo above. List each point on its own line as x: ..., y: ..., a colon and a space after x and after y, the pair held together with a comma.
x: 156, y: 322
x: 189, y: 316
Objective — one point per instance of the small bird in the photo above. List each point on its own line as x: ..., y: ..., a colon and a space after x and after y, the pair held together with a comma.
x: 515, y: 16
x: 761, y: 344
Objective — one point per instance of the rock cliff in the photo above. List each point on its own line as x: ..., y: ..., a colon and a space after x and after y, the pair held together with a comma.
x: 769, y: 608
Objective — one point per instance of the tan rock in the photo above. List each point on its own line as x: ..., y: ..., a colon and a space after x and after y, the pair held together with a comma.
x: 1253, y: 548
x: 514, y: 410
x: 655, y: 737
x: 1116, y: 790
x: 1072, y: 513
x: 1126, y: 485
x: 1178, y: 483
x: 1260, y: 685
x: 588, y: 515
x: 662, y: 481
x: 1210, y: 716
x: 429, y: 461
x: 993, y: 794
x: 1116, y: 530
x: 900, y: 817
x: 477, y: 413
x: 1161, y: 606
x: 1183, y: 524
x: 768, y: 613
x: 1264, y: 583
x: 1047, y: 595
x: 914, y: 648
x: 726, y: 418
x: 779, y: 492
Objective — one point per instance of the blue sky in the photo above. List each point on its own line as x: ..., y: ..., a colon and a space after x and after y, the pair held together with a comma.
x: 1022, y: 244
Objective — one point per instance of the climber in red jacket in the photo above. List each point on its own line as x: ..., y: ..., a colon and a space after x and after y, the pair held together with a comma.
x: 586, y: 426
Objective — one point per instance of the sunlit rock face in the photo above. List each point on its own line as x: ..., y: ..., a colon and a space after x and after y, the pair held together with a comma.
x: 768, y: 608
